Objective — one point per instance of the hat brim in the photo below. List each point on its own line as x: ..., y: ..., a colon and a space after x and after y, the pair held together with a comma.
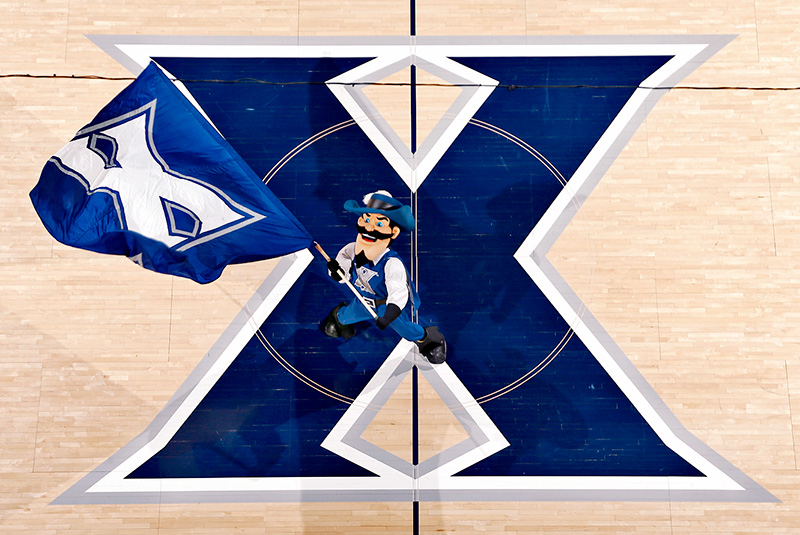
x: 401, y: 216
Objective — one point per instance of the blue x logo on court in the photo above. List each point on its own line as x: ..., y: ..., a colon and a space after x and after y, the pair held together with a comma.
x: 495, y: 143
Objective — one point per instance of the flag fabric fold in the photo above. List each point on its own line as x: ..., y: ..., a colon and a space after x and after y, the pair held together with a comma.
x: 151, y: 179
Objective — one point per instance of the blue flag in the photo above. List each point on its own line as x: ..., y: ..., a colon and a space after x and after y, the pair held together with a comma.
x: 151, y: 179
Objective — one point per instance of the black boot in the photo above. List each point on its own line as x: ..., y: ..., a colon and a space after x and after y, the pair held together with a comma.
x: 433, y: 346
x: 333, y: 328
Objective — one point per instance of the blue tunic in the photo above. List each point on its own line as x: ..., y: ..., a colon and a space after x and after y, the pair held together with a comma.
x: 370, y: 281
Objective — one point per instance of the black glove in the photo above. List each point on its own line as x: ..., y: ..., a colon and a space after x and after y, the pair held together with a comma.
x: 391, y: 314
x: 335, y: 270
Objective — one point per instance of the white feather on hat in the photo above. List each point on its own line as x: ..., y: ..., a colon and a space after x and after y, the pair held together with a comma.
x: 368, y: 196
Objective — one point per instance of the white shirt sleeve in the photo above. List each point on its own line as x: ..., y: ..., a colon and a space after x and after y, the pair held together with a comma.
x: 345, y: 258
x: 396, y: 282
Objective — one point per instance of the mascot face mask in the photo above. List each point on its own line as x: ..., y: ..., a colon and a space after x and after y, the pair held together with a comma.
x: 375, y: 233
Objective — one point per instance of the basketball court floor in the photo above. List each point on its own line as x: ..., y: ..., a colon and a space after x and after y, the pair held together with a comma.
x: 604, y: 201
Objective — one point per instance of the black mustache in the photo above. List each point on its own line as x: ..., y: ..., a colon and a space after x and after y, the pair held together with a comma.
x: 375, y: 235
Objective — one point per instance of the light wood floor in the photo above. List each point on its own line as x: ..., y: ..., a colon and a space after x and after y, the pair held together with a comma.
x: 696, y: 267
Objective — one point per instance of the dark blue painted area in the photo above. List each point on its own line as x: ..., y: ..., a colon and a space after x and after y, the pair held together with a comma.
x: 266, y: 112
x: 474, y: 211
x: 570, y: 419
x: 258, y: 421
x: 476, y: 208
x: 561, y: 122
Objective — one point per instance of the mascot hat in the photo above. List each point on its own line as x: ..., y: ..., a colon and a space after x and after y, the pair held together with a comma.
x: 382, y: 202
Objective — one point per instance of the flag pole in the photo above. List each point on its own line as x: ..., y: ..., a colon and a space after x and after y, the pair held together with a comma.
x: 348, y: 283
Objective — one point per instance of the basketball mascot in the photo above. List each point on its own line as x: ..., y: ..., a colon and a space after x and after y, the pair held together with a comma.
x: 379, y: 278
